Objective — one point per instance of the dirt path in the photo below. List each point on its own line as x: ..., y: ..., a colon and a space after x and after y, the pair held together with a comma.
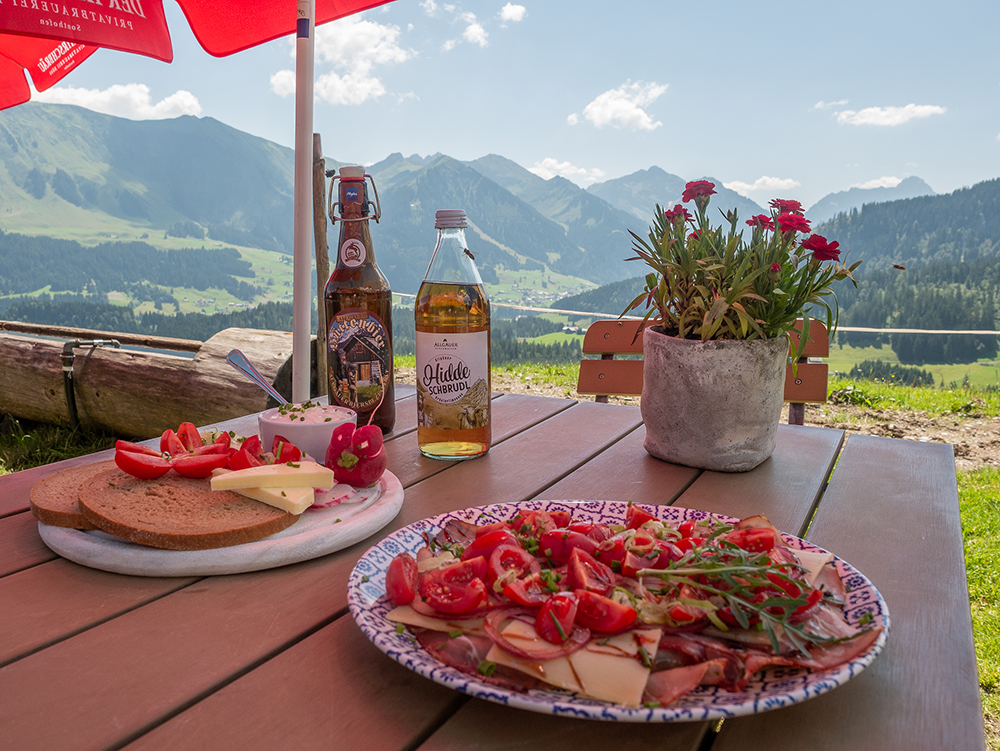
x: 976, y: 438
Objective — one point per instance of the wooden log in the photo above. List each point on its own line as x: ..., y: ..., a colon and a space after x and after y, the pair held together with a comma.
x: 139, y: 394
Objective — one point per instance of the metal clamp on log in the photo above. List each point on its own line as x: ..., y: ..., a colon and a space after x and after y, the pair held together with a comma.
x: 68, y: 357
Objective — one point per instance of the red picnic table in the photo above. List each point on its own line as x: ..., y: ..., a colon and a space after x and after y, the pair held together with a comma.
x: 273, y: 659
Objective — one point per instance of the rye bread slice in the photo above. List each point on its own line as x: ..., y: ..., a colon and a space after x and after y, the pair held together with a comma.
x: 176, y: 513
x: 55, y: 500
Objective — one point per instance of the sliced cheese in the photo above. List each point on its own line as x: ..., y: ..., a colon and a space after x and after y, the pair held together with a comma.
x: 292, y: 500
x: 410, y: 617
x: 292, y: 475
x: 608, y: 669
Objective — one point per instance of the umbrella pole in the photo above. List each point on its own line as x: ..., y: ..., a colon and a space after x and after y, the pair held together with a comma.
x: 302, y: 245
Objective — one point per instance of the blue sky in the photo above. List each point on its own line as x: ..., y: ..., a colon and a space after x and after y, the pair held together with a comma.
x: 780, y: 99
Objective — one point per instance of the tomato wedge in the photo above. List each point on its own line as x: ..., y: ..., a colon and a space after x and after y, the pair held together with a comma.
x: 401, y: 580
x: 508, y: 563
x: 531, y: 591
x: 462, y: 573
x: 141, y: 465
x: 635, y: 517
x: 198, y: 465
x: 284, y: 450
x: 759, y: 540
x: 171, y: 444
x: 586, y: 572
x: 558, y: 544
x: 554, y: 622
x: 484, y: 545
x: 452, y: 598
x: 189, y: 436
x: 602, y: 614
x: 135, y: 448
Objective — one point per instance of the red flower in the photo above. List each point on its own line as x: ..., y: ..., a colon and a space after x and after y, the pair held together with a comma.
x: 761, y: 220
x: 786, y: 207
x: 775, y: 268
x: 697, y: 189
x: 694, y: 235
x: 675, y: 212
x: 821, y: 249
x: 792, y: 223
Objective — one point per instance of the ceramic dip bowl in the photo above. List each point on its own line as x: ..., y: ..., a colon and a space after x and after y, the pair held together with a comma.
x: 308, y: 425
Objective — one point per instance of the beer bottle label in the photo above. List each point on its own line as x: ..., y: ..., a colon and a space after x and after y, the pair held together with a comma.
x: 453, y: 370
x: 353, y: 253
x: 359, y: 357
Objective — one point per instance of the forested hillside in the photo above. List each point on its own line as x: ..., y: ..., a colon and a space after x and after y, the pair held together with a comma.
x: 947, y: 229
x: 28, y: 264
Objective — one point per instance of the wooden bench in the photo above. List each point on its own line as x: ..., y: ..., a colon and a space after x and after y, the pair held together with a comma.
x: 614, y: 338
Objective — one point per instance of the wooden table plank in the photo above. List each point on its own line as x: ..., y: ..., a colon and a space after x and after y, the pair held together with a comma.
x: 625, y: 472
x: 890, y: 498
x: 785, y: 488
x: 20, y: 545
x: 328, y: 705
x: 480, y: 725
x: 60, y: 598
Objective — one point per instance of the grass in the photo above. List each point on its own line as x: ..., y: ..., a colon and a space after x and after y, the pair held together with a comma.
x: 983, y: 373
x: 979, y: 500
x: 25, y: 444
x: 933, y: 401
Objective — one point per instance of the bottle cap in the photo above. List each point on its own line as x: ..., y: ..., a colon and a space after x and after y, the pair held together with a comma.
x: 352, y: 173
x: 450, y: 219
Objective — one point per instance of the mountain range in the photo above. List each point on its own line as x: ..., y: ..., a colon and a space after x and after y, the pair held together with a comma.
x: 76, y: 174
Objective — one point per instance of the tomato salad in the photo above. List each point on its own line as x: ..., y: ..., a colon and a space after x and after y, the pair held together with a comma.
x: 541, y: 600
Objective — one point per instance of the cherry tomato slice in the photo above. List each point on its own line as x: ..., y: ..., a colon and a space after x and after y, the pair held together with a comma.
x: 531, y: 523
x: 401, y: 580
x: 284, y: 450
x: 506, y: 558
x: 171, y: 444
x: 598, y: 613
x: 586, y: 572
x: 558, y: 544
x: 143, y: 466
x: 555, y: 619
x: 452, y: 598
x: 635, y: 517
x: 135, y: 448
x: 611, y: 552
x: 561, y: 518
x: 188, y: 435
x: 594, y: 530
x: 462, y: 573
x: 198, y: 465
x: 484, y: 545
x: 758, y: 540
x: 531, y: 591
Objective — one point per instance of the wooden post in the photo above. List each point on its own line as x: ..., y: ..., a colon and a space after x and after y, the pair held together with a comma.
x: 322, y: 258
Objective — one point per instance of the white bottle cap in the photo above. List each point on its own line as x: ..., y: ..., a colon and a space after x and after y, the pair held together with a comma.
x: 450, y: 219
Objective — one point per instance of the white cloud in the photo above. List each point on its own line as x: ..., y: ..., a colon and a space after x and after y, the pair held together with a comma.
x: 131, y: 100
x: 449, y: 45
x: 511, y: 13
x: 549, y: 168
x: 575, y: 118
x: 888, y: 116
x: 821, y: 105
x: 880, y: 182
x: 352, y: 47
x: 474, y: 32
x: 429, y: 7
x: 765, y: 184
x: 623, y: 107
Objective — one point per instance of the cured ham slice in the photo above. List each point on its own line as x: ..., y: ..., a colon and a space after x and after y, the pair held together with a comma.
x: 826, y: 656
x: 667, y: 686
x: 466, y: 653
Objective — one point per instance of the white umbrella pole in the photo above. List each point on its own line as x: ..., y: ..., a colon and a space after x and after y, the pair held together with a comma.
x: 302, y: 247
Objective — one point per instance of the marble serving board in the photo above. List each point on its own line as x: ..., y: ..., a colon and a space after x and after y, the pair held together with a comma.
x: 319, y: 532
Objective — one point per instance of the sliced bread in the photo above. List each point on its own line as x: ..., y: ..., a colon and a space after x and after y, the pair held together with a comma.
x: 55, y: 500
x: 176, y: 513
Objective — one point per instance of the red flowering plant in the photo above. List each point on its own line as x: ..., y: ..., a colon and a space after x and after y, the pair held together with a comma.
x: 711, y: 283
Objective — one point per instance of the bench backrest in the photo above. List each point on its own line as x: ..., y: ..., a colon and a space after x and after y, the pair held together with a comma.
x: 612, y: 377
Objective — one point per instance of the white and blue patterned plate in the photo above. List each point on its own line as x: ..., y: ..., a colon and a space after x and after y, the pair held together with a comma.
x: 771, y: 689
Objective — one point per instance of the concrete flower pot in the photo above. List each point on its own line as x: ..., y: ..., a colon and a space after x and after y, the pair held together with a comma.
x: 712, y: 405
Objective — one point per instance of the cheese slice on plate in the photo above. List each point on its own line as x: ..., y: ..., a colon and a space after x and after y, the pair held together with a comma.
x: 410, y: 617
x: 813, y: 562
x: 608, y: 668
x: 290, y: 475
x: 292, y: 500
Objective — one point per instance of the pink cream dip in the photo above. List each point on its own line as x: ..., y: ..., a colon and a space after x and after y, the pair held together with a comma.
x: 309, y: 415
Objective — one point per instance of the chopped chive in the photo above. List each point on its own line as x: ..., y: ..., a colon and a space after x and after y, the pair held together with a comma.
x: 454, y: 634
x: 365, y: 578
x: 400, y: 628
x: 486, y: 668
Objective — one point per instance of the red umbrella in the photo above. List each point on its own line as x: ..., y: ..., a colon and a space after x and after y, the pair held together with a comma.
x: 49, y: 39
